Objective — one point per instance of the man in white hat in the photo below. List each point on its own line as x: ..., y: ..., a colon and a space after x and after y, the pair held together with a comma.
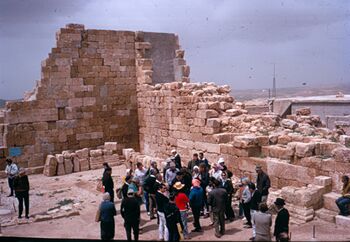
x: 177, y: 159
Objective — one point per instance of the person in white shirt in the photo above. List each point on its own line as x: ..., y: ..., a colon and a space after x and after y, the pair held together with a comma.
x: 11, y: 171
x: 170, y: 174
x: 140, y: 172
x: 216, y: 172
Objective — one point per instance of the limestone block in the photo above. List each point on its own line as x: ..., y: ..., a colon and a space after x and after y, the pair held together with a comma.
x: 96, y: 162
x: 326, y: 215
x: 284, y: 139
x: 329, y: 201
x: 305, y: 111
x: 112, y: 159
x: 96, y: 153
x: 233, y: 112
x: 84, y: 164
x: 244, y: 141
x: 107, y: 152
x: 345, y: 140
x: 342, y: 221
x: 60, y: 165
x: 224, y: 137
x: 304, y: 149
x: 68, y: 165
x: 76, y: 165
x: 281, y: 152
x: 288, y: 124
x: 127, y: 153
x: 213, y: 122
x: 111, y: 146
x: 262, y: 140
x: 50, y: 167
x: 83, y: 153
x: 209, y: 113
x: 341, y: 154
x: 325, y: 148
x: 67, y: 154
x: 323, y: 181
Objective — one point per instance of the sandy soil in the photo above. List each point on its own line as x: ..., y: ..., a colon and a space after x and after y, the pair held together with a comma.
x: 46, y: 192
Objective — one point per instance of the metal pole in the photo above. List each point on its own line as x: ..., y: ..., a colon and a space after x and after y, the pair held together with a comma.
x: 313, y: 231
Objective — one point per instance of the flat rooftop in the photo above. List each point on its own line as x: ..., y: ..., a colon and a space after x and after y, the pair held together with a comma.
x: 317, y: 99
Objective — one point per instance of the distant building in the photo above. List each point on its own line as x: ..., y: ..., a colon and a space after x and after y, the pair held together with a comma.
x: 332, y: 109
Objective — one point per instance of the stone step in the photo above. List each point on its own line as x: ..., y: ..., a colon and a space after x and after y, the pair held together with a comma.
x: 326, y: 215
x: 342, y: 221
x: 329, y: 201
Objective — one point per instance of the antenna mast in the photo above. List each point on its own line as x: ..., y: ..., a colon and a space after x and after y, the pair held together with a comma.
x: 274, y: 93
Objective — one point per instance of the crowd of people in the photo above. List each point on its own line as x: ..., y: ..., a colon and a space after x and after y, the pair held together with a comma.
x: 201, y: 189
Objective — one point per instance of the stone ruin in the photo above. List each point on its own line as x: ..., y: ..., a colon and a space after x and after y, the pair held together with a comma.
x: 132, y: 90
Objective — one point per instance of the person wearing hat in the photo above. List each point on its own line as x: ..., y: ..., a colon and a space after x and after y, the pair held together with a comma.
x: 195, y: 172
x: 216, y: 171
x: 161, y: 200
x: 11, y: 171
x: 282, y: 219
x: 130, y: 211
x: 21, y: 187
x: 196, y: 203
x: 177, y: 159
x: 105, y: 216
x: 170, y: 174
x: 263, y: 183
x: 181, y: 201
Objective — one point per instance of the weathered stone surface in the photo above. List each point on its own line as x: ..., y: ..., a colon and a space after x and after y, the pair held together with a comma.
x: 323, y: 181
x: 289, y: 124
x: 341, y: 154
x: 68, y: 165
x: 345, y: 140
x: 50, y: 168
x: 304, y: 149
x: 83, y: 153
x: 40, y: 218
x: 111, y: 146
x: 342, y: 221
x: 96, y: 153
x: 329, y: 201
x: 60, y: 165
x: 303, y: 111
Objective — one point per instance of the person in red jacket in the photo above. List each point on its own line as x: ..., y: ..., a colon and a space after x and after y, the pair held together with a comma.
x: 181, y: 201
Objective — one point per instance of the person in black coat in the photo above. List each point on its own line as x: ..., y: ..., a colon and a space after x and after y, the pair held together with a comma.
x: 227, y: 185
x: 107, y: 182
x: 282, y: 220
x: 263, y: 183
x: 204, y: 179
x: 173, y: 217
x: 21, y: 187
x: 130, y: 211
x: 217, y: 200
x: 150, y: 187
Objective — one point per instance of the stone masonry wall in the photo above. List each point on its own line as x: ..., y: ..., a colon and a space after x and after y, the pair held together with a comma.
x: 86, y: 95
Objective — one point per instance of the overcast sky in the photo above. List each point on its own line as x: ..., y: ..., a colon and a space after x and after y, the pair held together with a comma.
x: 228, y: 42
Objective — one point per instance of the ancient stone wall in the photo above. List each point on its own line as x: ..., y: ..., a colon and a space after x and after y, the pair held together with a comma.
x: 86, y: 95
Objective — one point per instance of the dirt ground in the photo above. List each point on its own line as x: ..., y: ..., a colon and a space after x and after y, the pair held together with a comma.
x: 78, y: 191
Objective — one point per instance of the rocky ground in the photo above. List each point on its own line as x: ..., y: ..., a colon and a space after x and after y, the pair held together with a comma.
x: 65, y: 207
